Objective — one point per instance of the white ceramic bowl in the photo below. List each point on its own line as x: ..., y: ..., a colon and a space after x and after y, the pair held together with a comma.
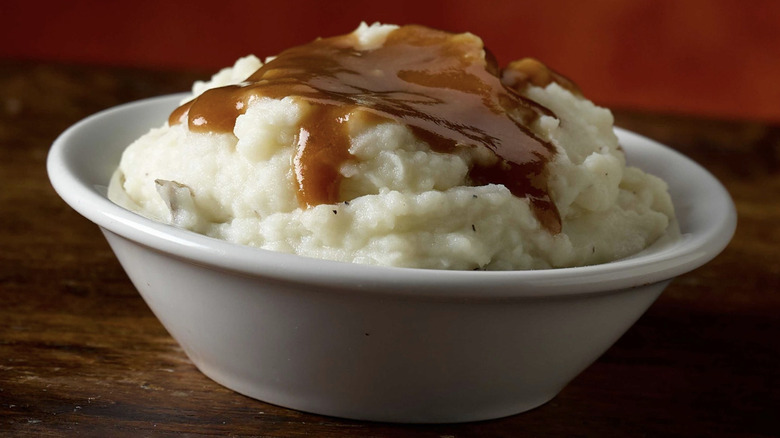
x: 374, y: 343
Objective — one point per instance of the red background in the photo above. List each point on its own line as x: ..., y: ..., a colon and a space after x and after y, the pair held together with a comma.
x: 715, y: 58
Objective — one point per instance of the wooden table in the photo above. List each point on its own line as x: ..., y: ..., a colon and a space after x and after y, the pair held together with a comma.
x: 80, y: 353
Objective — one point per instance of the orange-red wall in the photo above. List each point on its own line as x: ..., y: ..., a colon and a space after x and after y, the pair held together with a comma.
x: 718, y: 57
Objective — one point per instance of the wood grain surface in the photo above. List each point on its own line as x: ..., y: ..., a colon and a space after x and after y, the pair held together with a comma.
x: 81, y: 354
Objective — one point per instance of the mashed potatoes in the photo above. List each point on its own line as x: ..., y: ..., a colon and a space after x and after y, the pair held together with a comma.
x: 398, y: 201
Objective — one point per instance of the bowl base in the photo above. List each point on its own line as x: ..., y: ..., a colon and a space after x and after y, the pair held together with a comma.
x: 410, y: 413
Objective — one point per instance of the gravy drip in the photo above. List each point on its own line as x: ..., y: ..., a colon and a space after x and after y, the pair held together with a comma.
x: 520, y: 74
x: 444, y: 86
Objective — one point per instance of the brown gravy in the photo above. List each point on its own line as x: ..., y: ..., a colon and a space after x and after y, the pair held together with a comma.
x: 443, y: 86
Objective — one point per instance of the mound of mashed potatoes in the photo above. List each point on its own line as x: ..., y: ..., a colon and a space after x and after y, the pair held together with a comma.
x: 392, y: 196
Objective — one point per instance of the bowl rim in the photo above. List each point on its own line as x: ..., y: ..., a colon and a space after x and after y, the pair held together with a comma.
x: 695, y: 247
